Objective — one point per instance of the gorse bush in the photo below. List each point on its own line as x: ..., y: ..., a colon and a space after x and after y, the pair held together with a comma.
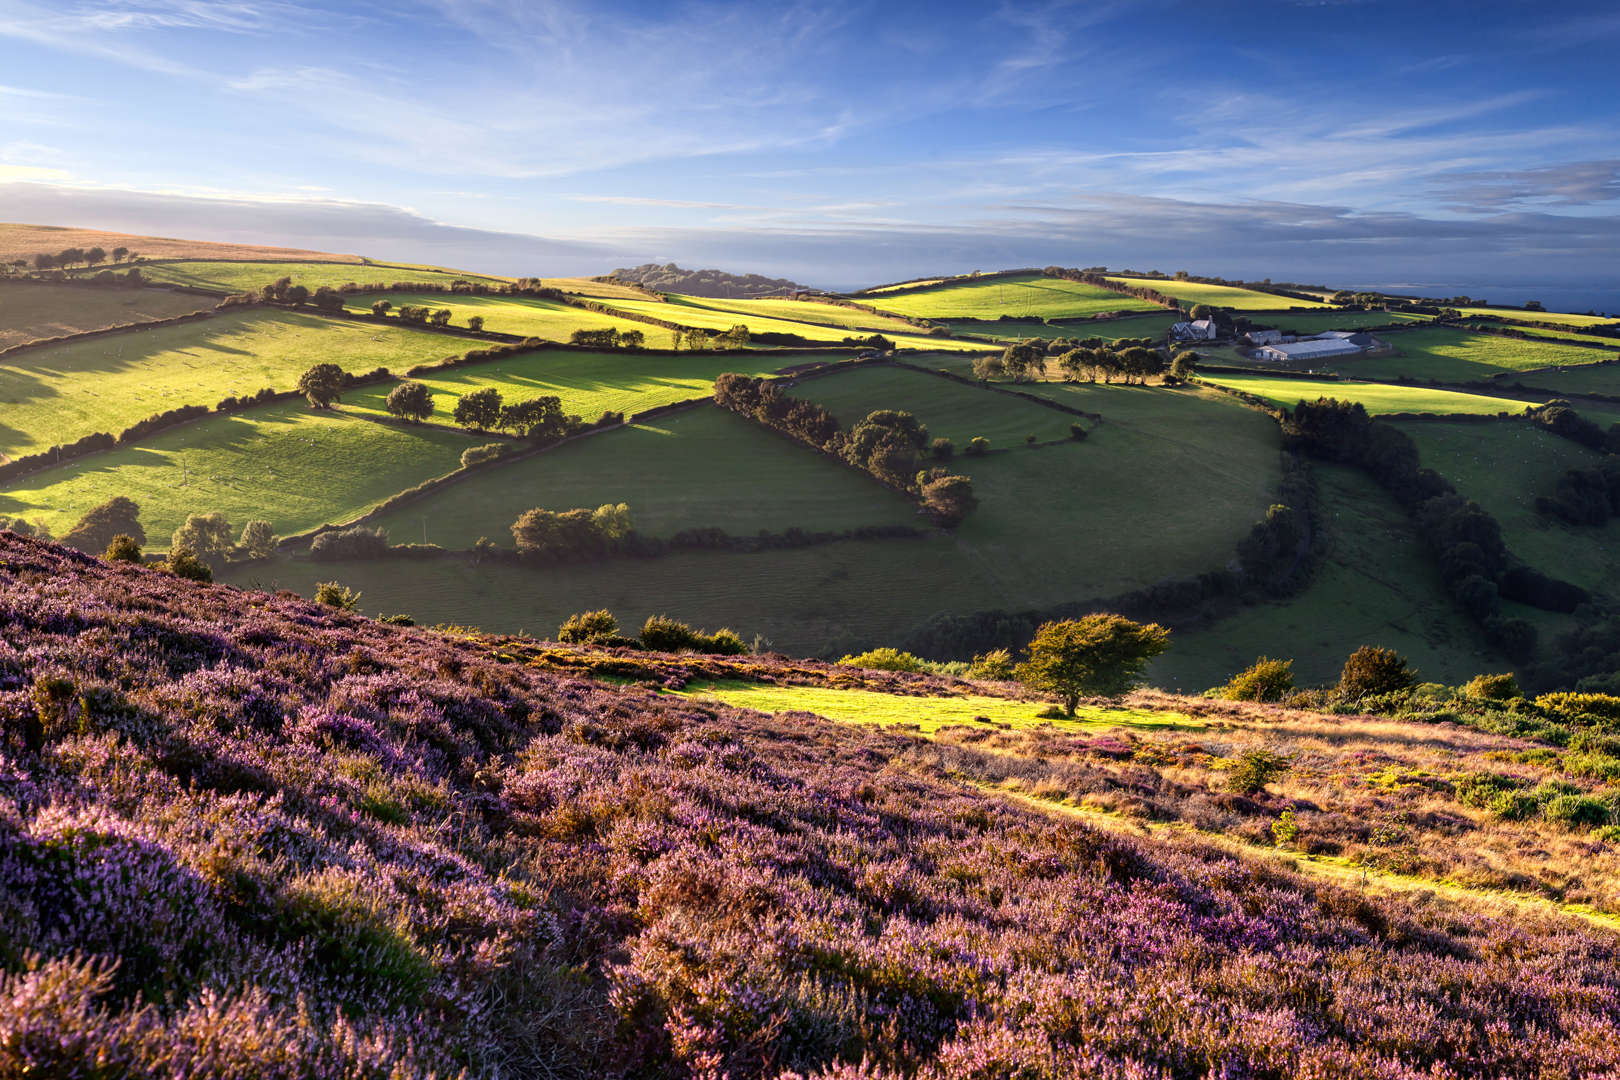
x: 589, y: 628
x: 885, y: 659
x: 182, y: 562
x: 1253, y: 770
x: 996, y: 665
x: 332, y: 594
x: 1492, y: 687
x: 1264, y: 680
x: 123, y: 549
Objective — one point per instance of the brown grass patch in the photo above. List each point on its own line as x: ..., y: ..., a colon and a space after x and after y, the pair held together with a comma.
x: 25, y: 241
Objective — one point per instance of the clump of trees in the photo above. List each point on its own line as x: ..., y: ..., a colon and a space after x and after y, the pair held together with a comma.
x: 1136, y: 363
x: 540, y: 419
x: 95, y: 531
x: 553, y: 535
x: 611, y: 338
x: 694, y: 339
x: 410, y: 401
x: 124, y: 548
x: 323, y: 385
x: 660, y: 633
x: 358, y: 542
x: 1100, y: 655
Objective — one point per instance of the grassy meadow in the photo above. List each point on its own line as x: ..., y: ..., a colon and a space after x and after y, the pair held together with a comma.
x: 522, y: 315
x: 1585, y: 379
x: 58, y: 393
x: 1568, y: 337
x: 896, y: 288
x: 291, y: 465
x: 703, y: 468
x: 1023, y: 295
x: 33, y: 311
x: 853, y: 320
x: 1133, y: 326
x: 687, y: 312
x: 1320, y: 322
x: 948, y: 408
x: 1377, y: 397
x: 1559, y: 318
x: 235, y: 277
x: 1443, y: 354
x: 1226, y: 296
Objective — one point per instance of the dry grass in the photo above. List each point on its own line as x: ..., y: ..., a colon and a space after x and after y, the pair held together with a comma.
x: 20, y: 241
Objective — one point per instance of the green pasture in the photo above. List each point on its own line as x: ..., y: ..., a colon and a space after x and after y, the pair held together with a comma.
x: 1377, y: 397
x: 584, y: 286
x: 851, y: 320
x: 1022, y: 295
x: 1378, y: 585
x: 1568, y: 337
x: 58, y: 393
x: 930, y: 714
x: 948, y: 408
x: 1320, y: 322
x: 1443, y: 354
x: 1503, y: 467
x: 896, y: 288
x: 31, y: 311
x: 696, y: 469
x: 1165, y: 487
x: 238, y: 277
x: 1135, y: 326
x: 521, y: 315
x: 589, y: 383
x: 1559, y: 318
x: 1584, y: 379
x: 291, y: 465
x: 1226, y: 296
x: 686, y: 312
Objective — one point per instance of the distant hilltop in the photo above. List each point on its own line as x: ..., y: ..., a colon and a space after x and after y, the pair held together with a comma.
x: 715, y: 283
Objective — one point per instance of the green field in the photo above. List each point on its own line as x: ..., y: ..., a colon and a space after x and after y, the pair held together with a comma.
x: 287, y: 463
x: 851, y: 320
x: 930, y: 714
x: 1377, y: 397
x: 1442, y: 354
x: 687, y: 313
x: 896, y: 288
x: 1503, y: 467
x: 1558, y: 318
x: 1378, y: 586
x: 1196, y: 292
x: 1166, y: 486
x: 1323, y: 321
x: 1569, y: 337
x: 521, y: 315
x: 589, y: 383
x: 58, y: 393
x: 959, y: 413
x: 237, y: 277
x: 703, y: 468
x: 1586, y: 379
x: 30, y: 312
x: 1136, y: 326
x: 1022, y: 295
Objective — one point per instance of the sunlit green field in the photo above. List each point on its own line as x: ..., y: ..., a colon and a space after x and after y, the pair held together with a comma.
x: 1587, y: 379
x: 849, y: 319
x: 521, y: 315
x: 1377, y: 397
x: 249, y: 276
x: 289, y: 464
x: 1195, y: 292
x: 1442, y: 354
x: 1570, y: 337
x: 947, y: 408
x: 688, y: 313
x: 1520, y: 315
x: 58, y: 393
x: 896, y: 288
x: 1134, y: 326
x: 703, y: 468
x: 33, y: 311
x: 1023, y: 295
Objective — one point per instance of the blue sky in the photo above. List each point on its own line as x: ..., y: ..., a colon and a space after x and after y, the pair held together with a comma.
x: 837, y: 143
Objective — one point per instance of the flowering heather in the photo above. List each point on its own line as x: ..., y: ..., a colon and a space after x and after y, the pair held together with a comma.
x: 243, y: 836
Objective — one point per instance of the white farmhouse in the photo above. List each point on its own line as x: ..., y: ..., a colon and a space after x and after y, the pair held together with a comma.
x: 1198, y: 330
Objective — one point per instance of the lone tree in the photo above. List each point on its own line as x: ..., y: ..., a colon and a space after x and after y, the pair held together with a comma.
x: 119, y: 254
x: 480, y: 409
x: 1374, y: 670
x: 410, y: 401
x: 1095, y: 656
x: 322, y: 385
x: 948, y: 499
x: 118, y: 515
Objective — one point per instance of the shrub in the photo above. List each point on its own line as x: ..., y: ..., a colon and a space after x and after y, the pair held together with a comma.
x: 660, y: 633
x: 258, y: 540
x: 1285, y: 828
x: 1098, y: 655
x: 475, y: 323
x: 1253, y: 770
x: 589, y: 628
x: 978, y: 446
x: 1582, y: 708
x: 1264, y: 680
x: 1492, y: 687
x: 1480, y: 789
x: 723, y: 642
x: 183, y: 563
x: 1077, y: 431
x: 996, y: 665
x: 1031, y: 439
x: 331, y: 594
x: 356, y: 543
x: 885, y: 659
x: 942, y: 449
x: 1576, y: 811
x: 948, y: 499
x: 397, y: 620
x: 123, y: 548
x: 1374, y: 670
x: 477, y: 455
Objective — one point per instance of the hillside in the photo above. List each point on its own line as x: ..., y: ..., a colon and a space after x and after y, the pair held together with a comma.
x: 710, y: 283
x: 26, y: 241
x: 245, y: 835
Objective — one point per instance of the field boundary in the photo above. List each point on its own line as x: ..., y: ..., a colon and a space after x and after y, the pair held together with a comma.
x: 121, y: 328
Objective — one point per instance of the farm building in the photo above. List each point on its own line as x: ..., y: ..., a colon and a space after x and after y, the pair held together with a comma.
x: 1310, y: 349
x: 1199, y: 330
x: 1263, y: 337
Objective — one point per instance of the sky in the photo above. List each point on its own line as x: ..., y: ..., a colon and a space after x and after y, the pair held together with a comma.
x: 840, y: 143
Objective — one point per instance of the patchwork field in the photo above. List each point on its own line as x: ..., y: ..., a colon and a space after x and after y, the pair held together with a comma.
x: 58, y: 393
x: 1195, y: 292
x: 288, y: 464
x: 33, y: 311
x: 1569, y: 337
x: 1503, y: 467
x: 1442, y: 354
x: 526, y: 316
x: 704, y: 468
x: 1135, y: 326
x: 687, y: 313
x: 1558, y: 317
x: 853, y: 320
x: 1586, y: 379
x: 1377, y: 397
x: 959, y: 413
x: 1323, y: 321
x: 1378, y: 585
x: 1023, y: 295
x: 584, y: 286
x: 237, y: 277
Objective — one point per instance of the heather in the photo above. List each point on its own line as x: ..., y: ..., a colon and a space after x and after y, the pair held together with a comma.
x: 242, y: 835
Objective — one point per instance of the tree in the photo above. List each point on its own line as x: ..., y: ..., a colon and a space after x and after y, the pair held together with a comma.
x: 328, y: 299
x: 440, y: 317
x: 631, y: 339
x: 44, y: 262
x: 322, y: 385
x: 1264, y: 680
x: 948, y: 499
x: 988, y: 367
x: 1201, y: 311
x: 123, y: 548
x: 1185, y: 364
x: 182, y: 563
x: 296, y: 294
x: 480, y: 409
x: 612, y: 520
x: 95, y: 255
x: 475, y: 323
x: 589, y: 628
x: 258, y: 540
x: 381, y: 308
x: 410, y: 401
x: 207, y: 536
x: 100, y: 524
x: 886, y: 444
x: 1094, y: 656
x: 1027, y: 359
x: 537, y: 418
x: 332, y: 594
x: 119, y: 254
x: 1374, y: 670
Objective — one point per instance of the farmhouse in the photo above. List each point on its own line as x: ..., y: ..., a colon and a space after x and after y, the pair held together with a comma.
x: 1263, y: 337
x: 1199, y: 330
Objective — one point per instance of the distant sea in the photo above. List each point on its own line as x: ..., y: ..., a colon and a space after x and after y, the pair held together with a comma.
x: 1604, y: 298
